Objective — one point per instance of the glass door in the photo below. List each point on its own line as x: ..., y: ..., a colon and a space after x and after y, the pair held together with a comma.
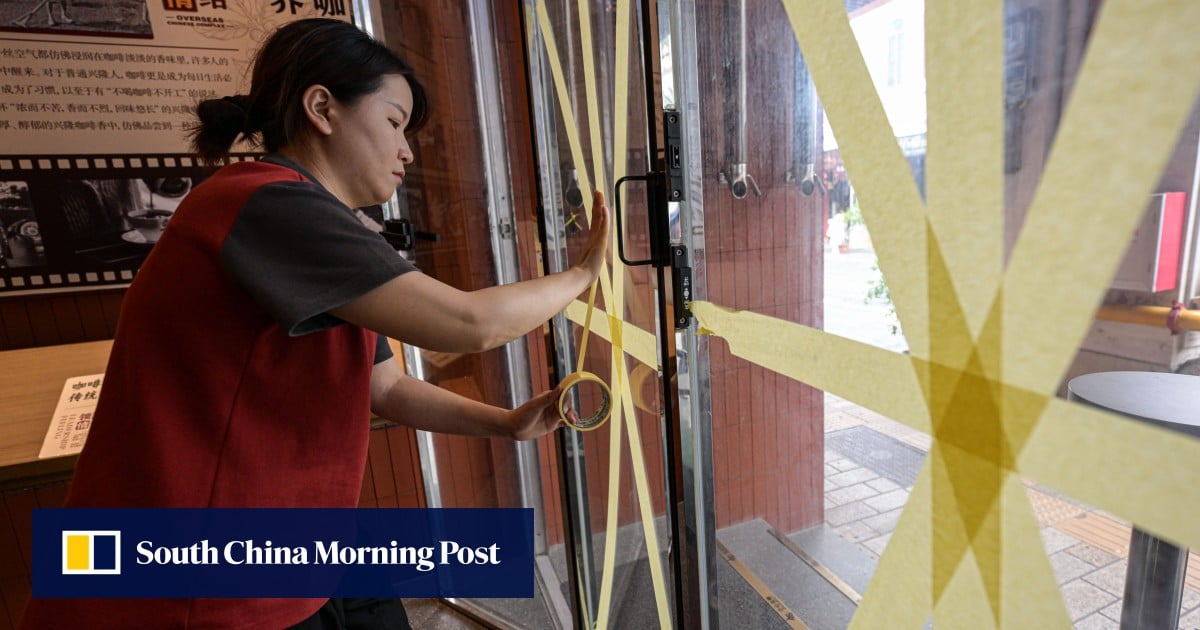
x: 898, y: 283
x: 595, y: 71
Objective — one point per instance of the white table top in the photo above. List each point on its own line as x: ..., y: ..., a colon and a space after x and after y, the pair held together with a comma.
x: 1172, y: 400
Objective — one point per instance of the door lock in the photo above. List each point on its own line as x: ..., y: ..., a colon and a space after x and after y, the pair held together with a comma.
x: 663, y: 187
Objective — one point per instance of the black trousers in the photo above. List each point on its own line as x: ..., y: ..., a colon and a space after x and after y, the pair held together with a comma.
x: 357, y: 614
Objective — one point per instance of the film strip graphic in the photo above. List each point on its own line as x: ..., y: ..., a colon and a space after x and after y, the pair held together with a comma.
x: 64, y: 164
x: 82, y: 222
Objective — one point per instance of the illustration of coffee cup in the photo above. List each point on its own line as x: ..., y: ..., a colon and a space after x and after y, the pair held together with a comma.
x: 149, y: 223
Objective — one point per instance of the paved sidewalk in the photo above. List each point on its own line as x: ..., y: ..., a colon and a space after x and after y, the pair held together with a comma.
x: 871, y: 461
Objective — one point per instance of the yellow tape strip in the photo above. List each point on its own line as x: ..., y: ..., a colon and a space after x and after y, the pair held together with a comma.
x: 964, y: 170
x: 587, y: 327
x: 646, y: 509
x: 587, y: 54
x: 638, y: 343
x: 569, y: 124
x: 613, y: 293
x: 876, y: 379
x: 900, y: 592
x: 1136, y: 471
x: 614, y: 484
x: 621, y: 90
x: 564, y: 99
x: 1027, y: 577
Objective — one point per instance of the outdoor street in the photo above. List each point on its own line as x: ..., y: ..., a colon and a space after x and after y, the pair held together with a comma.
x: 848, y: 278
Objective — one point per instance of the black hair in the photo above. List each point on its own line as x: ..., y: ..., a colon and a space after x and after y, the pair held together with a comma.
x: 298, y: 55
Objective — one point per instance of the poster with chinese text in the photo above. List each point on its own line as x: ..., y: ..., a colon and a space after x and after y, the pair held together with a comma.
x: 95, y: 102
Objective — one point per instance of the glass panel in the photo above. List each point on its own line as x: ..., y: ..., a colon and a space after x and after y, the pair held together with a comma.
x: 1112, y: 550
x: 858, y: 304
x: 584, y: 63
x: 943, y: 458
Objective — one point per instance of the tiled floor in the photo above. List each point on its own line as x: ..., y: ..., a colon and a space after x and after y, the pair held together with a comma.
x: 434, y: 614
x: 1086, y: 547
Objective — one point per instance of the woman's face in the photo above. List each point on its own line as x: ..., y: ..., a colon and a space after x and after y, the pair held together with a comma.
x: 368, y: 144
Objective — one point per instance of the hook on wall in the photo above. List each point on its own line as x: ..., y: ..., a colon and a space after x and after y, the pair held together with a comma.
x: 742, y: 182
x: 809, y: 183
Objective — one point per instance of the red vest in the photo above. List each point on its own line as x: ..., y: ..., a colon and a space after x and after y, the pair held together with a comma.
x: 207, y: 402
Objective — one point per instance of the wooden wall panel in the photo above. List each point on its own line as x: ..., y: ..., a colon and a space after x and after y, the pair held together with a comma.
x: 406, y: 467
x: 18, y: 332
x: 91, y: 315
x: 393, y: 473
x: 67, y: 318
x: 764, y: 254
x: 380, y: 470
x: 47, y: 320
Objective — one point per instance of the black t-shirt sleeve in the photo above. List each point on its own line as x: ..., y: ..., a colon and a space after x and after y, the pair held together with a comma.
x: 383, y: 351
x: 300, y: 252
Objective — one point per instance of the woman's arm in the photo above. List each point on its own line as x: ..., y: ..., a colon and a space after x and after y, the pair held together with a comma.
x: 427, y: 407
x: 427, y: 313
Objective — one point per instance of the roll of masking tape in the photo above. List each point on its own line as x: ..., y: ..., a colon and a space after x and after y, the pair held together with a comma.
x: 573, y: 384
x: 642, y: 380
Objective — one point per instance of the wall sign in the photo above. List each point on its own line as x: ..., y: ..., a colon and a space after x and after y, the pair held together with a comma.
x: 95, y: 102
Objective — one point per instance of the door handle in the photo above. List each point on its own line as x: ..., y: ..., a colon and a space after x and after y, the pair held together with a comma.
x: 649, y: 178
x: 662, y: 187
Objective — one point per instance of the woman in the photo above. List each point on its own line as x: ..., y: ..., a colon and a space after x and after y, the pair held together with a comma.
x: 246, y: 358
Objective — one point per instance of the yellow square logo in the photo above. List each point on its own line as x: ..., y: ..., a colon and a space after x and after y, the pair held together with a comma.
x: 91, y: 552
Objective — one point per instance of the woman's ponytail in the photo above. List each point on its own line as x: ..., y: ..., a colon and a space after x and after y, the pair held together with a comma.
x: 219, y: 123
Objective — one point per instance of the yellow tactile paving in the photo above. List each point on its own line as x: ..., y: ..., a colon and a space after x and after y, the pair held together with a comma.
x: 1112, y: 536
x: 1098, y: 530
x: 1049, y: 510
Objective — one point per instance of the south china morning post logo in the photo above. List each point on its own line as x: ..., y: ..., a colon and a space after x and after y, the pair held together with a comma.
x: 91, y: 552
x: 321, y: 552
x: 397, y: 552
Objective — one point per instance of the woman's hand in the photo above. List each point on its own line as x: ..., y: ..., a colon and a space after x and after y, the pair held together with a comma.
x: 537, y: 417
x: 592, y: 259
